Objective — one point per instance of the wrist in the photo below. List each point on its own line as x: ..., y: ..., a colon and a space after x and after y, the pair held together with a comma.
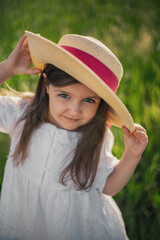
x: 8, y: 68
x: 6, y: 71
x: 132, y: 156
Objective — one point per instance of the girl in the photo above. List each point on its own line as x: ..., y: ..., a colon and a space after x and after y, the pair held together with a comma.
x: 60, y: 173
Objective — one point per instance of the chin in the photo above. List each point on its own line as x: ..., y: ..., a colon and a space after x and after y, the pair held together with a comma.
x: 70, y: 128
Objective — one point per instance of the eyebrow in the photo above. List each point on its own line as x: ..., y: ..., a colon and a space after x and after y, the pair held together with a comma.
x: 58, y: 90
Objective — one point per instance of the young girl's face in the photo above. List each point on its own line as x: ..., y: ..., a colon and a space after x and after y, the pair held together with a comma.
x: 71, y: 106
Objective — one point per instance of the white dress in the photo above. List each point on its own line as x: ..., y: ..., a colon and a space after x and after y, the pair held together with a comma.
x: 35, y: 206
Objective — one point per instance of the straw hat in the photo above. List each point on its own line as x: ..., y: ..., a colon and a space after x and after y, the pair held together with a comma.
x: 90, y: 62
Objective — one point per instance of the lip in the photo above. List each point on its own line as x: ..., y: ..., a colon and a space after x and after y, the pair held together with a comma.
x: 71, y: 119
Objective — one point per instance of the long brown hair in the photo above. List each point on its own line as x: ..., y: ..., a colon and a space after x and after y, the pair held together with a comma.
x: 83, y: 167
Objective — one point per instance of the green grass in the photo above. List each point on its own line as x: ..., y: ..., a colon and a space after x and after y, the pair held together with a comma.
x: 130, y: 28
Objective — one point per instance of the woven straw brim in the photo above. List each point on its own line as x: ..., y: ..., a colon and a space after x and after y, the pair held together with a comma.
x: 45, y: 51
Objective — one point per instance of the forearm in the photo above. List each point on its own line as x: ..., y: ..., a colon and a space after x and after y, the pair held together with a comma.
x: 5, y: 71
x: 121, y: 174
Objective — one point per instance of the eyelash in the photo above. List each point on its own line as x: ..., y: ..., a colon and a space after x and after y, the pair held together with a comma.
x: 66, y: 96
x: 63, y: 95
x: 90, y: 100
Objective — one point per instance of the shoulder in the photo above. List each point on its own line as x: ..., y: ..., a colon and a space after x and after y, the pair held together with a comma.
x: 16, y: 101
x: 11, y: 105
x: 108, y: 140
x: 11, y: 110
x: 7, y: 100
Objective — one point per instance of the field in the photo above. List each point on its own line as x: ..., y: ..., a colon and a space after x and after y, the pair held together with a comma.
x: 130, y: 28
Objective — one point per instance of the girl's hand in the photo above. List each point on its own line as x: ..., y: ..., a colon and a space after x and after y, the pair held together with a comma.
x: 19, y: 60
x: 135, y: 142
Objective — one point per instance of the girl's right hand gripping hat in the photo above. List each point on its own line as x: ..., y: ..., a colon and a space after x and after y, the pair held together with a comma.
x: 90, y: 62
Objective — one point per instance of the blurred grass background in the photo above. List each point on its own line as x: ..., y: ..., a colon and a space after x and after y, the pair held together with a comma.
x: 130, y: 28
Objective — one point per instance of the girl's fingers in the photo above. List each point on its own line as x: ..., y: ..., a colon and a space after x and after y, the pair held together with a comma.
x: 142, y: 138
x: 125, y: 130
x: 33, y: 71
x: 25, y: 43
x: 141, y: 133
x: 21, y: 41
x: 138, y: 132
x: 139, y: 127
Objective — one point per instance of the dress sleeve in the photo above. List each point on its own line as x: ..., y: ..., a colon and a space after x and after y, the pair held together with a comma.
x: 9, y: 113
x: 107, y: 161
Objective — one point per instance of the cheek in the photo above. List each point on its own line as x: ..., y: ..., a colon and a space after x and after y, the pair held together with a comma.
x: 55, y: 107
x: 52, y: 108
x: 91, y: 112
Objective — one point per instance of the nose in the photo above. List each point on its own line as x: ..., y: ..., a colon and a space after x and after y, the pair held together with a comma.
x: 74, y: 108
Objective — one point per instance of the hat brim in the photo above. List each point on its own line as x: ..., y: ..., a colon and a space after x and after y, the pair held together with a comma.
x: 45, y: 51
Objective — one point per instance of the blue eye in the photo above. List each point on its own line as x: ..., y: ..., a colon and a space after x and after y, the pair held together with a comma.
x: 63, y: 95
x: 90, y: 100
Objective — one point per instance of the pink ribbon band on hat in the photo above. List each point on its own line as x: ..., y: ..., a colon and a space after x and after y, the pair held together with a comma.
x: 99, y: 68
